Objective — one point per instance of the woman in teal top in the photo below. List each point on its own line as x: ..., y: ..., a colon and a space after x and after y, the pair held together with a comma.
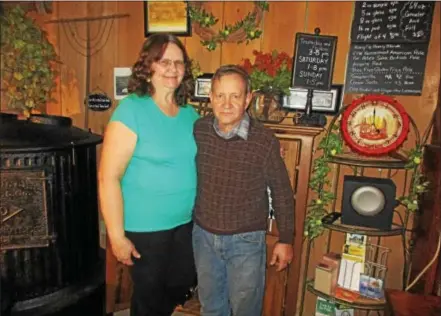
x: 147, y: 178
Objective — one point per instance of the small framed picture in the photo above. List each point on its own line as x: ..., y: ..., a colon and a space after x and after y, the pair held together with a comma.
x: 167, y: 17
x: 325, y: 102
x: 202, y: 87
x: 121, y: 76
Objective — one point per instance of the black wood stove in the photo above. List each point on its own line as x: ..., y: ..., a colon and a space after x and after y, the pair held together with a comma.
x: 49, y: 233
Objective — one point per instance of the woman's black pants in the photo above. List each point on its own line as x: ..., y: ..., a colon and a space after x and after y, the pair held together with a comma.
x: 164, y: 274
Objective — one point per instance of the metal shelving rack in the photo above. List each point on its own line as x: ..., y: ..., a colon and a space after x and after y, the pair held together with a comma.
x: 392, y: 165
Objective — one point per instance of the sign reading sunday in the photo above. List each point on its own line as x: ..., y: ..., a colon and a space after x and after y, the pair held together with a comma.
x: 314, y: 57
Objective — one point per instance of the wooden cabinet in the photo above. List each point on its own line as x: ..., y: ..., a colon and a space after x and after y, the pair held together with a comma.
x: 281, y: 292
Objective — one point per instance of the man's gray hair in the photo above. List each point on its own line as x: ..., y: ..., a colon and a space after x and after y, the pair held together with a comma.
x: 233, y: 69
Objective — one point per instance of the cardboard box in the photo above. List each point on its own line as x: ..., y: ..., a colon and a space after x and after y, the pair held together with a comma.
x: 325, y: 278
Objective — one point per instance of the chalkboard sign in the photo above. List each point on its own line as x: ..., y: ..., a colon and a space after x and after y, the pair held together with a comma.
x: 387, y: 68
x: 98, y: 102
x: 392, y: 21
x: 314, y: 57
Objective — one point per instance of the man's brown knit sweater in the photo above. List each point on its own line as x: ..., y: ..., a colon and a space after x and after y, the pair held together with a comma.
x: 233, y: 176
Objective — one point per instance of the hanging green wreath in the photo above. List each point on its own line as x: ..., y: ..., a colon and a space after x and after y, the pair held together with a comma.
x: 244, y: 30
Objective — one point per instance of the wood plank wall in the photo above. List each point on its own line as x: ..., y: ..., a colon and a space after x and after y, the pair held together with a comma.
x: 279, y: 25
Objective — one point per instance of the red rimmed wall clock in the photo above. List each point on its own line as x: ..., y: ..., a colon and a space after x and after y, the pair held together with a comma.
x: 374, y: 125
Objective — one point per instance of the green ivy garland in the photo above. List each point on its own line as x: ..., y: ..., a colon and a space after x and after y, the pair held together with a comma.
x: 243, y: 30
x: 317, y: 209
x: 417, y: 184
x: 332, y: 145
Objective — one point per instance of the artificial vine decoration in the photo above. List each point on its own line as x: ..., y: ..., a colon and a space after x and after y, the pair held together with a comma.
x: 244, y: 30
x: 417, y: 184
x: 317, y: 209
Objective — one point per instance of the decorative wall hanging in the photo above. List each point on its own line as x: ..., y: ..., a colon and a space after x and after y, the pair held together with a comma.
x: 244, y: 30
x: 90, y: 45
x: 167, y: 17
x: 98, y: 101
x: 374, y: 125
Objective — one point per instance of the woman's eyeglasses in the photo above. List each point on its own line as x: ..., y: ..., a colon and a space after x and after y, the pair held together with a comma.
x: 167, y: 63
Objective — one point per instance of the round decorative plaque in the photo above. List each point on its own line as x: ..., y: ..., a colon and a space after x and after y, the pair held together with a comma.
x: 374, y: 125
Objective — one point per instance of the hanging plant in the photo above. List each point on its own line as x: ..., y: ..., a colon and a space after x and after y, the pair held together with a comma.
x: 244, y: 30
x: 27, y: 62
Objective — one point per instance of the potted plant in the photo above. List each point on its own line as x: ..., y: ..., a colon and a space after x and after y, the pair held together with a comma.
x: 27, y: 62
x: 270, y: 76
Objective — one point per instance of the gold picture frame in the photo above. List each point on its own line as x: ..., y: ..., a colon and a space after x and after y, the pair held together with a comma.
x: 167, y: 17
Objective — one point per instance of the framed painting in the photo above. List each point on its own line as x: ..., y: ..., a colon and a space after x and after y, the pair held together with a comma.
x: 167, y: 17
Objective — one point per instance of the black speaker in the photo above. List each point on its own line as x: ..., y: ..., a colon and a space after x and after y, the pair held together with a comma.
x: 368, y: 202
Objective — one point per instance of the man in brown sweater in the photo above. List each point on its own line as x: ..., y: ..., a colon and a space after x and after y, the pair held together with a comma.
x: 237, y: 160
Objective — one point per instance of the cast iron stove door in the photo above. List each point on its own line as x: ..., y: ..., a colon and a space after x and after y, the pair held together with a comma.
x: 23, y: 209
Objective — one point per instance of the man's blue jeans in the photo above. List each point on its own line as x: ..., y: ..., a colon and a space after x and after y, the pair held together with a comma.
x: 231, y: 272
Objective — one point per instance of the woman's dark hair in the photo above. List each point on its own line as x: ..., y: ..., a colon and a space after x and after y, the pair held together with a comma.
x: 152, y: 51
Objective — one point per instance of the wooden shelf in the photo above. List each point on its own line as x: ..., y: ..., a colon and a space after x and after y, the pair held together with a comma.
x: 360, y: 303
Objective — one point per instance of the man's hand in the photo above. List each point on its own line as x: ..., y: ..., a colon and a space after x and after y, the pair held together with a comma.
x: 123, y: 249
x: 282, y: 256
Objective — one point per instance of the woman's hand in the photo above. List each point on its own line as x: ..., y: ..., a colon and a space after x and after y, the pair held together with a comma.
x: 123, y: 249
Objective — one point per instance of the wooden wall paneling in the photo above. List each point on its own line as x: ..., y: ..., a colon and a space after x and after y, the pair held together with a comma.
x: 72, y: 76
x: 130, y: 33
x: 233, y: 53
x: 333, y: 18
x: 209, y: 61
x: 281, y: 24
x: 103, y: 35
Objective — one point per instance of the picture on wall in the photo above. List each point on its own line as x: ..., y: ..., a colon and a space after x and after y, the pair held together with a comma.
x: 167, y: 17
x: 202, y: 87
x: 121, y: 76
x: 325, y: 102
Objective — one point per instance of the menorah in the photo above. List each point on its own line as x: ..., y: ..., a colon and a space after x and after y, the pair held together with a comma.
x: 90, y: 45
